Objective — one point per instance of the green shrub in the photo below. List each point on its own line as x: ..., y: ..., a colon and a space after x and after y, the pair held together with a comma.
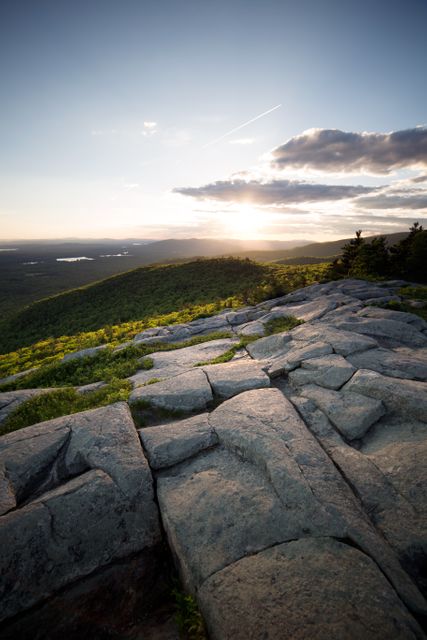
x: 105, y: 365
x: 277, y: 325
x: 63, y: 402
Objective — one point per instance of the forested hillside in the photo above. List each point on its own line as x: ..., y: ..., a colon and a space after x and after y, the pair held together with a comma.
x: 151, y: 291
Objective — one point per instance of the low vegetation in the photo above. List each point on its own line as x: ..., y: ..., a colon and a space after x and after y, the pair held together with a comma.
x: 188, y: 617
x: 229, y: 355
x: 145, y: 413
x: 105, y: 365
x: 47, y: 330
x: 277, y: 325
x: 62, y: 402
x: 414, y: 293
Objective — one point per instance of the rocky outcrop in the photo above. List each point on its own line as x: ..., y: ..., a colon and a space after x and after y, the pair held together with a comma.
x: 80, y: 496
x: 291, y: 489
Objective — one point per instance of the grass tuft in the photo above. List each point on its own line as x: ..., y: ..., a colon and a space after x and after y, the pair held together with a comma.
x: 277, y: 325
x: 63, y: 402
x: 188, y: 617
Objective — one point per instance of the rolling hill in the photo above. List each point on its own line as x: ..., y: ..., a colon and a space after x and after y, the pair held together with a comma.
x: 149, y: 291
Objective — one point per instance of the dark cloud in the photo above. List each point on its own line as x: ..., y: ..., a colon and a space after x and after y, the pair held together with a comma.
x: 279, y: 192
x: 419, y: 179
x: 341, y: 151
x: 404, y: 199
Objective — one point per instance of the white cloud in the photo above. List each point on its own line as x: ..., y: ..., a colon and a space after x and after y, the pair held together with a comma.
x: 150, y: 128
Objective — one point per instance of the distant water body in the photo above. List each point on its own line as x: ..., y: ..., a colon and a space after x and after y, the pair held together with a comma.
x: 76, y: 259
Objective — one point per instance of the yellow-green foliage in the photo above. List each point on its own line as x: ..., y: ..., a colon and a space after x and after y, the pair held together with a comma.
x: 106, y: 365
x: 415, y: 293
x: 63, y: 402
x: 149, y: 297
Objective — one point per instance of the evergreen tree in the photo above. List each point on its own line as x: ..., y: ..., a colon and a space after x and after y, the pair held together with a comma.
x: 350, y: 252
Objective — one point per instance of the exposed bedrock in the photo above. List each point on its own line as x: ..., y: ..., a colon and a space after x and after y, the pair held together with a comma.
x: 288, y: 484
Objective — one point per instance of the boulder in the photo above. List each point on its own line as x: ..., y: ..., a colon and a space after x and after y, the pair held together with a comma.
x: 231, y: 378
x: 407, y: 398
x: 398, y: 316
x: 270, y: 346
x: 331, y: 372
x: 390, y: 363
x: 186, y: 392
x: 341, y: 341
x: 295, y: 355
x: 84, y: 353
x: 87, y: 502
x: 254, y: 328
x: 351, y: 413
x: 398, y: 332
x: 167, y: 364
x: 388, y: 474
x: 306, y: 311
x: 172, y: 443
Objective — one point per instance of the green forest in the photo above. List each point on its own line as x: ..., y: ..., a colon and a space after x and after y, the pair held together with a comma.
x: 153, y: 292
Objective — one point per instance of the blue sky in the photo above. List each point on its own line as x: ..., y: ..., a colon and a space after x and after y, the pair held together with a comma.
x: 109, y: 109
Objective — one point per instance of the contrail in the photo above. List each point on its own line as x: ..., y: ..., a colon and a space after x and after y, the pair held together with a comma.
x: 245, y: 124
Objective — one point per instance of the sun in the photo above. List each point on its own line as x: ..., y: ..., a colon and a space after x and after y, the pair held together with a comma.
x: 244, y: 222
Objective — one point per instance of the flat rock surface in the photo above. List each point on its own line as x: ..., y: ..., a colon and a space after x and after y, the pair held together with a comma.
x: 295, y: 355
x: 310, y: 588
x: 293, y: 499
x: 400, y: 332
x: 232, y: 378
x: 351, y: 413
x: 330, y: 371
x: 404, y: 397
x: 390, y: 363
x: 167, y: 364
x: 187, y: 392
x: 171, y: 443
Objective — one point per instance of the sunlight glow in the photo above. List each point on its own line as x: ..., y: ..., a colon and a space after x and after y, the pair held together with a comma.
x: 244, y: 223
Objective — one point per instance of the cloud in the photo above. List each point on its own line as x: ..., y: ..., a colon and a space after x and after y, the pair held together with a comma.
x: 279, y: 192
x: 402, y: 199
x: 333, y: 150
x: 150, y: 128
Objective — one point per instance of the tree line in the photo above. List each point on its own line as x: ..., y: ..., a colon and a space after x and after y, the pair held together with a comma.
x: 375, y: 258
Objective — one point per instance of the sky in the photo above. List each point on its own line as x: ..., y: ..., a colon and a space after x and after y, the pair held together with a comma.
x: 282, y: 120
